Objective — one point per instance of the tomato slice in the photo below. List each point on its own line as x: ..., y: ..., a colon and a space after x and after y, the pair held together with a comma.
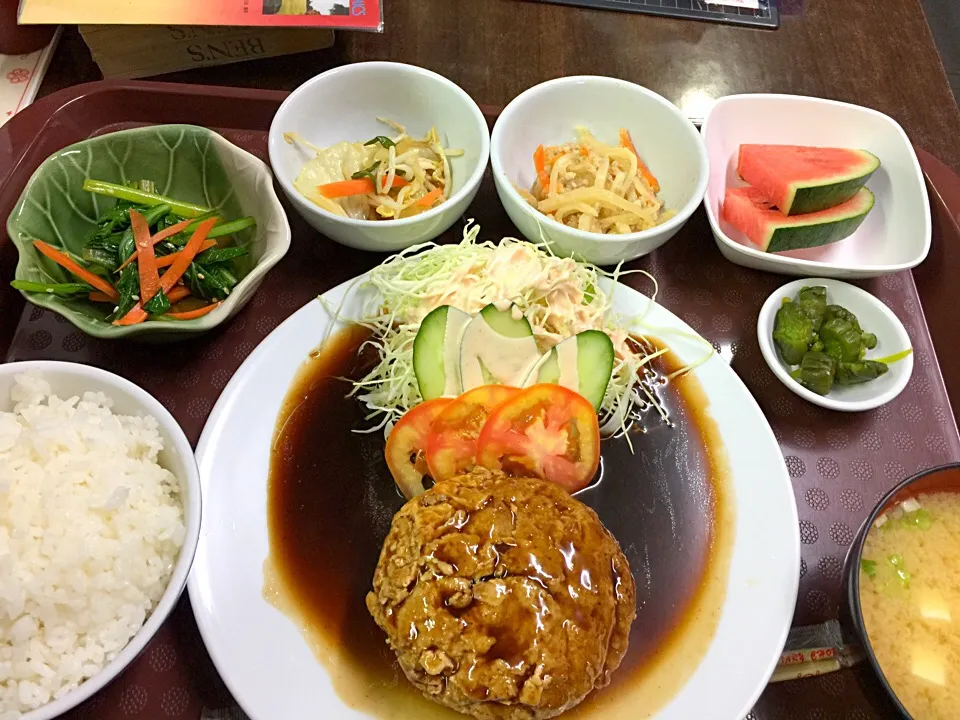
x: 407, y: 445
x: 452, y: 445
x: 546, y: 431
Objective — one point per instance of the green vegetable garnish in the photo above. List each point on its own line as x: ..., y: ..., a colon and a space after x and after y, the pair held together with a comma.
x: 813, y: 303
x: 383, y: 140
x: 919, y: 519
x: 792, y: 332
x: 869, y: 567
x: 869, y: 340
x: 816, y: 372
x: 158, y: 304
x: 832, y: 312
x: 896, y: 357
x: 859, y: 372
x: 141, y: 197
x: 370, y: 172
x: 841, y: 339
x: 60, y: 289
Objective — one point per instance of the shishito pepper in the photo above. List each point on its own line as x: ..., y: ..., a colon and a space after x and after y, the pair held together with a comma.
x: 859, y: 372
x: 816, y: 372
x: 841, y: 340
x: 832, y: 312
x: 793, y: 332
x: 813, y: 303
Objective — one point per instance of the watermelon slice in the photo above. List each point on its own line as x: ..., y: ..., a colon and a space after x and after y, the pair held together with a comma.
x: 748, y: 210
x: 799, y: 179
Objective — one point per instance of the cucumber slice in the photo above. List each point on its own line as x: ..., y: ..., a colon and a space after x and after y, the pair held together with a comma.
x: 436, y: 352
x: 582, y: 363
x: 497, y: 347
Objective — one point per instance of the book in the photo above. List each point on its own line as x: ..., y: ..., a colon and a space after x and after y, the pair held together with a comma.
x: 134, y: 51
x: 345, y: 14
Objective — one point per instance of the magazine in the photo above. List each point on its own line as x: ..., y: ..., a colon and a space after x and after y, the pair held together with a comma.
x: 345, y: 14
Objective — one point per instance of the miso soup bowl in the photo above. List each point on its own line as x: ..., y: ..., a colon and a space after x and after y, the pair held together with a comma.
x: 945, y: 478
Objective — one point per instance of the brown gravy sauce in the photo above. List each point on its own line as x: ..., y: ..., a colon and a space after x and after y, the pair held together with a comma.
x: 331, y: 500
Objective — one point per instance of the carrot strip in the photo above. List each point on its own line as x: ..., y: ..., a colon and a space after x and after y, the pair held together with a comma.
x: 361, y: 186
x: 146, y: 259
x: 66, y: 262
x: 430, y: 198
x: 186, y: 256
x: 346, y: 188
x: 137, y: 314
x: 167, y: 260
x: 97, y: 296
x: 585, y: 151
x: 193, y: 314
x: 627, y: 142
x: 159, y: 238
x: 178, y: 293
x: 540, y: 163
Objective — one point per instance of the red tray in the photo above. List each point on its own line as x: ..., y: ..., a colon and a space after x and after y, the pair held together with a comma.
x: 840, y: 463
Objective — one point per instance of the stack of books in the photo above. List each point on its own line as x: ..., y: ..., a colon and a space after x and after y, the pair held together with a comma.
x: 139, y: 38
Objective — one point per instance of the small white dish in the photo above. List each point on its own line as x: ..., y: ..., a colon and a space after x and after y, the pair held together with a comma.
x: 549, y: 113
x: 895, y: 235
x: 343, y: 104
x: 69, y: 379
x: 874, y: 317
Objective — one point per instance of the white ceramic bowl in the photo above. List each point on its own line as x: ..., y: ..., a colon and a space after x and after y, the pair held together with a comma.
x: 343, y: 105
x: 67, y: 380
x: 548, y: 113
x: 895, y: 234
x: 874, y: 317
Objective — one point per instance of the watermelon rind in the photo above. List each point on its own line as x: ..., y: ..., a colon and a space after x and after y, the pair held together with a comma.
x: 760, y: 166
x: 807, y: 197
x: 794, y: 234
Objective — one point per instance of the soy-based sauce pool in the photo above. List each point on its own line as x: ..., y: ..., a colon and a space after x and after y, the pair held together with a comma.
x: 331, y: 500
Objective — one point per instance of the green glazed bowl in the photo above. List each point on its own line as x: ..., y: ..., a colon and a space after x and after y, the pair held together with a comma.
x: 189, y: 163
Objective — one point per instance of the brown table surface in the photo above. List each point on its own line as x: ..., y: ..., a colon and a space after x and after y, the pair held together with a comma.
x: 876, y: 54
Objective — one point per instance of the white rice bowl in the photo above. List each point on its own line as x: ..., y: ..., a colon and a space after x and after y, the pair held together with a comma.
x: 91, y: 527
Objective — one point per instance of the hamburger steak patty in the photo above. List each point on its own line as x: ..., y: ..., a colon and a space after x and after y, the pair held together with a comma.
x: 503, y: 597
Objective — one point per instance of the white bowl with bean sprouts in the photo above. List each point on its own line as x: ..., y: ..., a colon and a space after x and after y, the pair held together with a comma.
x: 624, y: 168
x: 417, y: 139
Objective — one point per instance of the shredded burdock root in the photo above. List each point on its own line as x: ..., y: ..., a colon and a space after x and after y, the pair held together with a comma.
x: 560, y: 297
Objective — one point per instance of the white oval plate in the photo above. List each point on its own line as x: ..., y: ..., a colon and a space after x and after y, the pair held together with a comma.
x: 262, y: 656
x: 874, y: 317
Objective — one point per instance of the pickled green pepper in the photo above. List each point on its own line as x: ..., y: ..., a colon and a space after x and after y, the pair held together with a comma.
x: 792, y: 332
x: 813, y: 303
x: 859, y: 372
x: 841, y: 339
x: 816, y: 372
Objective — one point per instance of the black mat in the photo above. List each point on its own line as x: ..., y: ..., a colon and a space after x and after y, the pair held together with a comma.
x: 766, y: 17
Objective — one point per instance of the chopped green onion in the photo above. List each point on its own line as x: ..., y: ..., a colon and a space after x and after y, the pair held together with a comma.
x: 121, y: 192
x: 370, y: 172
x: 383, y: 140
x: 869, y: 567
x: 920, y: 519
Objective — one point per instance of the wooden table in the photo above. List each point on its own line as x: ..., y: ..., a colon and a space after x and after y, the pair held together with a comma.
x: 853, y: 51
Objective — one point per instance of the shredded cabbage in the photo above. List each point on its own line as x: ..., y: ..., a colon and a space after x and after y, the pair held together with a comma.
x: 560, y: 297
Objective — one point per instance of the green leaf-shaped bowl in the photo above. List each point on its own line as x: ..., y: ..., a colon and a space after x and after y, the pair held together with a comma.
x: 188, y: 163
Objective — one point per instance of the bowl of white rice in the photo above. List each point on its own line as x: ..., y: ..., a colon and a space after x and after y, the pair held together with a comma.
x: 99, y: 522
